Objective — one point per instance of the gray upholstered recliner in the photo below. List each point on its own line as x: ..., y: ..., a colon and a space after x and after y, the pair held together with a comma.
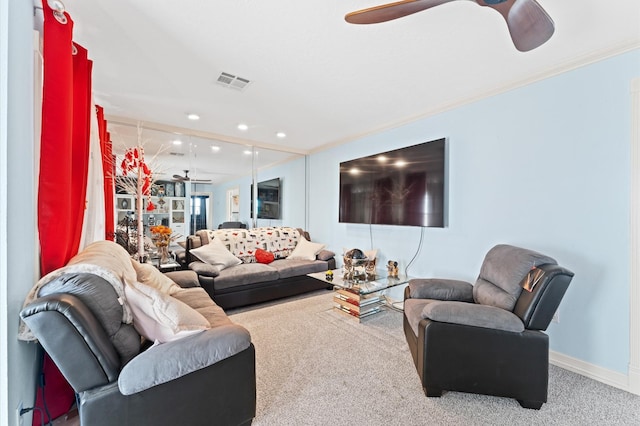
x: 487, y: 338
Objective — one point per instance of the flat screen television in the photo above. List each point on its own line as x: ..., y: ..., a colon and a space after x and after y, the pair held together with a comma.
x: 405, y: 187
x: 268, y: 199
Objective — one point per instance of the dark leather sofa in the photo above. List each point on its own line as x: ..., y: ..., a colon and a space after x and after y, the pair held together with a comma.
x: 251, y: 283
x: 207, y: 378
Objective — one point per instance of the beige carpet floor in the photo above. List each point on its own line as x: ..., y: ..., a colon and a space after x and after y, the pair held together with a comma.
x: 317, y: 366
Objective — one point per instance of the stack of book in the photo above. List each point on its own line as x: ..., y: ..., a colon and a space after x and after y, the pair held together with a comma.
x: 355, y: 304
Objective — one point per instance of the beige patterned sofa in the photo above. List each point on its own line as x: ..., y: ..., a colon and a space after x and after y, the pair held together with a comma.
x: 245, y: 277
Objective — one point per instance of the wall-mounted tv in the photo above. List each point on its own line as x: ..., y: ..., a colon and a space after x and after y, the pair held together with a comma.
x: 405, y: 187
x: 268, y: 199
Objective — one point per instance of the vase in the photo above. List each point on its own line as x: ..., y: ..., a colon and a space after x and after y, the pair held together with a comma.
x: 164, y: 254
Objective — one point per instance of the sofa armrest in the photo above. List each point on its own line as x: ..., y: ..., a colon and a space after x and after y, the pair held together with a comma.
x: 184, y: 279
x: 164, y: 362
x: 441, y: 289
x: 474, y: 315
x: 205, y: 269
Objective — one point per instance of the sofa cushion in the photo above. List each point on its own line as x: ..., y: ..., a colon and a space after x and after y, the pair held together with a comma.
x: 163, y: 363
x: 216, y: 255
x: 297, y: 267
x: 198, y: 299
x: 306, y: 250
x: 474, y: 315
x: 243, y: 274
x: 160, y: 317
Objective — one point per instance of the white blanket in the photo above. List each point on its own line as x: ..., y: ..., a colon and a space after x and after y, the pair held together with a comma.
x: 105, y: 259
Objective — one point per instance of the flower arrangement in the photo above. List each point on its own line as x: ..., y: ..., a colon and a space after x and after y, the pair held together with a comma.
x: 162, y: 238
x: 161, y: 235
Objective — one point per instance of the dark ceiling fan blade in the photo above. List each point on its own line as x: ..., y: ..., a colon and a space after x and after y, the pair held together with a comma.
x: 181, y: 178
x: 529, y: 25
x: 388, y: 12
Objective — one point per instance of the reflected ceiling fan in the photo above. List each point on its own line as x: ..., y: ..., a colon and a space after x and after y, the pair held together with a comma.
x: 186, y: 178
x: 529, y: 25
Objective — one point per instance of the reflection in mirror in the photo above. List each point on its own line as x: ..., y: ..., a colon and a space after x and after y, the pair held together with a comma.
x: 210, y: 181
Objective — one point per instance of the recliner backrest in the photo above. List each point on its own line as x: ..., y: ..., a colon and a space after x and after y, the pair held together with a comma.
x: 74, y: 339
x: 504, y: 266
x: 103, y: 302
x: 536, y: 308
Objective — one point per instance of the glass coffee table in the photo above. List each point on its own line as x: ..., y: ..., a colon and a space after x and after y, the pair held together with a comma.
x: 361, y: 298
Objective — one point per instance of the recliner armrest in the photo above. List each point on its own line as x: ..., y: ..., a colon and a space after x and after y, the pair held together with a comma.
x: 205, y: 269
x: 164, y: 362
x: 440, y: 289
x: 185, y: 279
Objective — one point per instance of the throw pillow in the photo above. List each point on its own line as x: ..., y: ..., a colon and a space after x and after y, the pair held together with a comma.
x: 325, y: 255
x: 263, y: 256
x: 160, y: 317
x: 151, y: 276
x: 216, y: 254
x: 306, y: 250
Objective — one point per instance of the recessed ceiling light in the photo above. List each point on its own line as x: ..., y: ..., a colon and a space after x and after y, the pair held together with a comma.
x: 248, y: 152
x: 243, y: 127
x: 281, y: 135
x: 193, y: 117
x: 177, y: 142
x: 215, y: 148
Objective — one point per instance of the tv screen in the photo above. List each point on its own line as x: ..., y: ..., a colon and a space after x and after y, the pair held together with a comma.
x: 268, y: 199
x: 405, y: 186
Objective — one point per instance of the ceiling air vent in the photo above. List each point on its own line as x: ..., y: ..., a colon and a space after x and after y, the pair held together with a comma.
x: 177, y: 154
x: 232, y: 81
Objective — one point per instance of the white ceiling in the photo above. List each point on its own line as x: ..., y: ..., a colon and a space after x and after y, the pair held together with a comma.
x: 322, y: 81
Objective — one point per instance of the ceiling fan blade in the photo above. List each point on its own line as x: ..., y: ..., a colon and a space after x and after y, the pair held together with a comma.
x: 529, y: 25
x: 180, y: 178
x: 388, y: 12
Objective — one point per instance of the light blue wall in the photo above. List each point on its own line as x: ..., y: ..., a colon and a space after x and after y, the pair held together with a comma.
x: 546, y: 167
x: 20, y: 364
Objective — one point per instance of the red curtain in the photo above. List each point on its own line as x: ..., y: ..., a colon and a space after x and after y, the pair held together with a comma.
x: 55, y: 211
x: 81, y: 137
x: 64, y: 149
x: 108, y: 164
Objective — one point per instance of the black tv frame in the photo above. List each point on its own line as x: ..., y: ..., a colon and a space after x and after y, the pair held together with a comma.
x: 385, y: 193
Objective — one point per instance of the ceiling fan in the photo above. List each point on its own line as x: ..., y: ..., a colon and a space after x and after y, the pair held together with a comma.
x: 186, y: 178
x: 529, y: 25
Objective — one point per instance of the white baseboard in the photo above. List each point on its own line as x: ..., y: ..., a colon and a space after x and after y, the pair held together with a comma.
x: 630, y: 383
